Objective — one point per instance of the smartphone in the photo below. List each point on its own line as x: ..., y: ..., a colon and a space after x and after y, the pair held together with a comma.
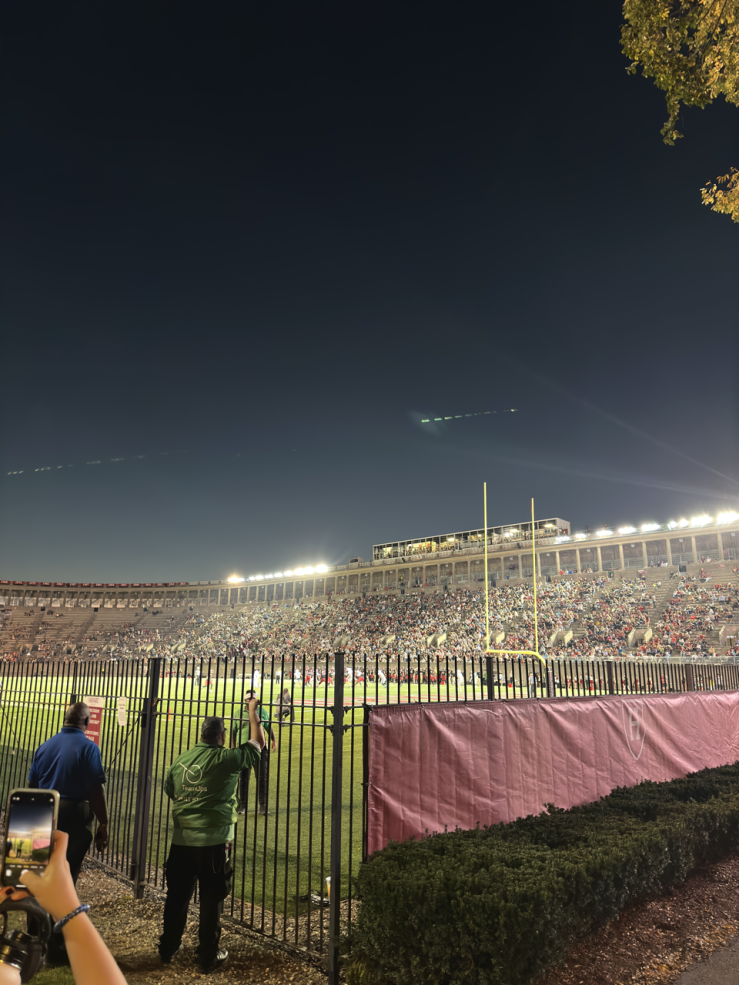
x: 30, y: 823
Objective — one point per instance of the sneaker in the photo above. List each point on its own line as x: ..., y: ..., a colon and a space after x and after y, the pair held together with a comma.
x: 167, y: 956
x: 241, y: 809
x: 263, y: 811
x: 220, y: 958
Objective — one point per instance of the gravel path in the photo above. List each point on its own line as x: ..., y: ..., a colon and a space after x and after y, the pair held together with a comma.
x: 131, y: 929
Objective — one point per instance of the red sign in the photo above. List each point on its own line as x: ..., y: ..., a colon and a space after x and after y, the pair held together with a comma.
x: 148, y: 584
x: 4, y: 582
x: 59, y: 584
x: 96, y: 706
x: 87, y: 584
x: 45, y: 583
x: 135, y: 584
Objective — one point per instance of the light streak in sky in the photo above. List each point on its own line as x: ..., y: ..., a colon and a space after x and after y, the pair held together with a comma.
x: 94, y: 461
x: 456, y: 417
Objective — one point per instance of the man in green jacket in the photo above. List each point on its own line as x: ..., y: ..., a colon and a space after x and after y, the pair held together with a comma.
x: 201, y: 783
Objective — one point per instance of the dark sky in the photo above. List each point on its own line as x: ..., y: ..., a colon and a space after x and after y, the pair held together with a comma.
x: 265, y: 238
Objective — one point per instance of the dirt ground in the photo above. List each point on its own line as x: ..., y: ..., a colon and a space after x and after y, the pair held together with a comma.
x: 131, y: 929
x: 651, y: 943
x: 654, y: 940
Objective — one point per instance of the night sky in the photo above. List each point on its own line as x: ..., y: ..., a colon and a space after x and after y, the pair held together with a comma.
x: 266, y: 239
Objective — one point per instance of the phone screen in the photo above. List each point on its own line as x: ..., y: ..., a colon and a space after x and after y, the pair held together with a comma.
x: 30, y: 823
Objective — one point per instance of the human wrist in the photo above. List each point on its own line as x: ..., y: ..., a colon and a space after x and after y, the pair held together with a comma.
x: 58, y: 910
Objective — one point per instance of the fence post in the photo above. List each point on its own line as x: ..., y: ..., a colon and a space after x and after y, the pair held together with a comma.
x: 609, y: 668
x: 73, y: 696
x: 337, y: 732
x: 147, y: 726
x: 489, y: 677
x: 365, y: 778
x: 689, y: 683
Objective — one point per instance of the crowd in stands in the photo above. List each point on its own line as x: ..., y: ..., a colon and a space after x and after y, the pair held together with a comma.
x: 591, y: 618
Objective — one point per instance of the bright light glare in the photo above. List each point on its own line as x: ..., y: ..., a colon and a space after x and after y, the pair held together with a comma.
x: 699, y: 521
x: 234, y: 579
x: 289, y: 574
x: 259, y: 577
x: 647, y: 527
x: 308, y: 571
x: 320, y: 568
x: 560, y: 540
x: 278, y: 574
x: 580, y: 536
x: 728, y: 517
x: 672, y: 524
x: 684, y: 523
x: 604, y: 533
x: 626, y: 530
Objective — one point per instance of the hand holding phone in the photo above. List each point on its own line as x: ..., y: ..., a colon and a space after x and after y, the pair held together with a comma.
x: 30, y: 826
x: 53, y: 889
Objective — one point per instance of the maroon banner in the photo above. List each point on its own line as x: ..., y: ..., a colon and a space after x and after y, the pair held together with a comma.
x: 441, y: 766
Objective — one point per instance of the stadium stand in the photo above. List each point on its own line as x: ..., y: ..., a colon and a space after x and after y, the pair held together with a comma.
x: 588, y: 616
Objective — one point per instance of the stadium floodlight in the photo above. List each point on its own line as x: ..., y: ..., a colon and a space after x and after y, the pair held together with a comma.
x: 259, y: 577
x: 580, y: 536
x: 684, y: 523
x: 626, y: 530
x: 604, y: 533
x: 672, y: 524
x: 700, y: 521
x: 234, y: 579
x: 727, y: 517
x: 277, y: 574
x: 648, y: 527
x: 320, y: 568
x: 561, y: 540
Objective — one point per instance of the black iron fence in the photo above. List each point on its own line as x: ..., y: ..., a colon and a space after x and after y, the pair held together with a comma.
x: 308, y: 822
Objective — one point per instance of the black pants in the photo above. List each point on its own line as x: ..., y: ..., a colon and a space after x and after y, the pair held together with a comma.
x: 262, y: 770
x: 211, y: 869
x: 76, y: 818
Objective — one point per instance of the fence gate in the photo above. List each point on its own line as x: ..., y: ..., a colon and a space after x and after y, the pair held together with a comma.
x: 33, y: 698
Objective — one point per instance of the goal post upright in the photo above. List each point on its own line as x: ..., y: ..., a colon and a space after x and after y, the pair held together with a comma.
x: 487, y: 588
x: 509, y: 653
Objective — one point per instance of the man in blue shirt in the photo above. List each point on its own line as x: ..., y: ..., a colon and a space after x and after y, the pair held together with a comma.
x: 70, y: 763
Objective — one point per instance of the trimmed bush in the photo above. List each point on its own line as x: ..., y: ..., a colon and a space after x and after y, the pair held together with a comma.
x: 500, y: 905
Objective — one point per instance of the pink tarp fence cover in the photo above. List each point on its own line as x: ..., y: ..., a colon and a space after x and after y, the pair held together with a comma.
x: 441, y: 766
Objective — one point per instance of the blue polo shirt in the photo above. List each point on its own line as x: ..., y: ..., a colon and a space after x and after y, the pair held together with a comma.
x: 68, y: 762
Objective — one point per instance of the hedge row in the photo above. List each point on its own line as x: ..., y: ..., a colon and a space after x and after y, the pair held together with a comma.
x: 500, y: 905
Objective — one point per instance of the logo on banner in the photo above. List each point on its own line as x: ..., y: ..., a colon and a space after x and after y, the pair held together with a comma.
x: 632, y: 713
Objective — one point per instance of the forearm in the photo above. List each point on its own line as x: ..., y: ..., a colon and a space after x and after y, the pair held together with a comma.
x: 99, y: 804
x: 256, y: 732
x: 90, y: 960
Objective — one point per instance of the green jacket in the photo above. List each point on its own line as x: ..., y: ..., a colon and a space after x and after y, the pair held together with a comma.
x: 241, y: 726
x: 202, y: 786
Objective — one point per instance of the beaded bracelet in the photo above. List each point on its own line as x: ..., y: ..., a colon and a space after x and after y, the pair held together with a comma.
x: 70, y: 916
